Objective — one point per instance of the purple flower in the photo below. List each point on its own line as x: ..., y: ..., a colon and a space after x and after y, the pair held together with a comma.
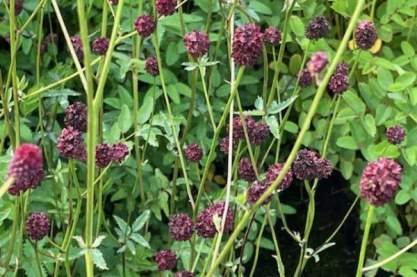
x: 193, y: 152
x: 103, y: 155
x: 76, y: 116
x: 145, y: 25
x: 184, y: 274
x: 224, y: 145
x: 317, y: 28
x: 309, y: 165
x: 77, y: 44
x: 247, y: 44
x: 205, y: 226
x: 197, y: 43
x: 395, y: 134
x: 151, y: 66
x: 305, y: 78
x: 317, y: 63
x: 272, y: 35
x: 181, y: 227
x: 380, y: 180
x: 365, y: 34
x: 26, y: 168
x: 165, y: 7
x: 119, y: 152
x: 50, y: 38
x: 273, y: 172
x: 238, y: 130
x: 71, y: 145
x: 246, y: 170
x: 339, y: 82
x: 166, y: 259
x: 100, y: 45
x: 259, y: 133
x: 37, y: 226
x: 256, y: 190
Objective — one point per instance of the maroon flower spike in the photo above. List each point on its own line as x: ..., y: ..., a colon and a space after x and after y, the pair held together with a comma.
x: 145, y: 25
x: 317, y: 28
x: 309, y: 165
x: 224, y: 145
x: 246, y: 171
x: 166, y: 260
x: 247, y: 44
x: 272, y: 35
x: 165, y: 7
x: 181, y: 227
x: 380, y: 180
x: 100, y: 45
x: 71, y: 144
x: 151, y: 66
x: 273, y: 172
x: 317, y: 63
x: 119, y: 152
x: 256, y: 190
x: 325, y: 169
x: 238, y: 131
x: 259, y: 133
x: 342, y: 68
x: 103, y: 155
x: 50, y: 38
x: 26, y: 168
x: 37, y: 226
x: 395, y: 134
x: 193, y: 152
x: 184, y: 274
x: 305, y: 78
x: 339, y: 82
x: 205, y: 226
x: 78, y: 47
x: 197, y: 43
x: 365, y: 34
x: 76, y: 116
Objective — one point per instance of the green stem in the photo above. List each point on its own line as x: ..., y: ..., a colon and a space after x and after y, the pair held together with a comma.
x: 38, y: 262
x: 368, y: 224
x: 280, y: 264
x: 206, y: 95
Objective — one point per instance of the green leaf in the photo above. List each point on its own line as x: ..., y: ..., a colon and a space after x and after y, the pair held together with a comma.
x: 402, y: 197
x: 140, y: 221
x: 276, y: 108
x: 369, y: 124
x: 123, y: 226
x: 347, y: 142
x: 260, y: 7
x: 343, y: 7
x: 297, y: 25
x: 273, y: 125
x: 147, y: 107
x: 354, y: 102
x: 98, y: 259
x: 141, y: 240
x: 394, y: 224
x: 408, y: 49
x: 125, y: 119
x: 403, y: 81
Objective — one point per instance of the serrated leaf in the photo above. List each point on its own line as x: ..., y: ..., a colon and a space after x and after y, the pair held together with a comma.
x: 122, y: 224
x: 80, y: 241
x: 276, y: 108
x: 141, y: 240
x: 98, y: 259
x: 98, y: 241
x: 140, y: 221
x: 273, y: 125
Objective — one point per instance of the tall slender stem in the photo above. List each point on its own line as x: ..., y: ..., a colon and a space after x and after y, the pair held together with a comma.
x: 368, y: 225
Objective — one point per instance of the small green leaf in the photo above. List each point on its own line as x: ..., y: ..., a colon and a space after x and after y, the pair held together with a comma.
x: 141, y: 240
x: 402, y: 197
x: 125, y: 119
x: 273, y: 125
x: 140, y: 221
x: 354, y: 102
x: 403, y: 81
x: 347, y: 142
x: 297, y: 25
x: 98, y: 259
x: 369, y: 124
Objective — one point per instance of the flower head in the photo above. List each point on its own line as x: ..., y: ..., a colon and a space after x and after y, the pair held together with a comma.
x: 317, y: 28
x: 259, y: 133
x: 205, y: 226
x: 317, y: 63
x: 273, y: 172
x: 166, y: 259
x: 181, y: 227
x: 246, y: 170
x: 77, y: 44
x: 309, y: 165
x: 145, y: 25
x: 37, y: 226
x: 103, y: 155
x: 119, y: 152
x: 151, y: 66
x: 247, y: 44
x: 26, y: 168
x: 71, y: 144
x: 50, y: 38
x: 193, y: 152
x: 365, y: 34
x: 76, y: 116
x: 272, y: 35
x: 395, y: 134
x: 256, y: 190
x: 197, y: 43
x: 238, y: 129
x: 165, y: 7
x: 184, y: 274
x: 305, y: 78
x: 224, y: 144
x: 380, y: 180
x: 339, y: 82
x: 100, y: 45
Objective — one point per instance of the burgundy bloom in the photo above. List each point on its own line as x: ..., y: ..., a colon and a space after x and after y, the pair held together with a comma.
x: 380, y: 180
x: 317, y: 63
x: 342, y: 68
x: 247, y: 44
x: 26, y: 167
x: 151, y: 66
x: 309, y: 165
x: 37, y: 226
x: 272, y: 35
x: 205, y: 226
x: 77, y: 44
x: 71, y: 145
x: 325, y: 169
x: 103, y: 155
x: 197, y: 43
x: 145, y: 25
x: 365, y: 34
x: 273, y: 172
x: 246, y: 170
x: 165, y: 7
x: 181, y: 227
x: 317, y: 28
x: 395, y: 134
x: 184, y: 274
x: 305, y: 78
x: 119, y: 152
x: 100, y: 45
x: 259, y: 133
x: 256, y: 190
x: 224, y: 145
x: 166, y: 259
x: 339, y: 82
x: 50, y: 38
x: 238, y: 131
x: 193, y: 152
x: 18, y: 6
x: 76, y: 116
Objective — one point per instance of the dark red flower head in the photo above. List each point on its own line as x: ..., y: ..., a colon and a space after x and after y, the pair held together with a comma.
x: 37, y: 226
x: 238, y: 129
x: 205, y: 226
x: 395, y: 134
x: 247, y: 44
x: 107, y: 153
x: 184, y: 274
x: 166, y: 259
x: 71, y: 144
x: 272, y: 35
x: 119, y: 152
x: 380, y: 180
x: 224, y: 144
x: 26, y: 167
x: 317, y: 28
x: 256, y: 190
x: 181, y: 227
x: 259, y: 133
x: 305, y: 78
x: 246, y: 171
x: 309, y: 165
x: 197, y: 43
x: 165, y: 7
x: 151, y: 66
x: 339, y: 82
x: 76, y: 116
x: 317, y: 62
x: 50, y: 38
x: 145, y: 25
x: 77, y: 44
x: 273, y: 172
x: 193, y: 152
x: 100, y: 45
x: 365, y: 34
